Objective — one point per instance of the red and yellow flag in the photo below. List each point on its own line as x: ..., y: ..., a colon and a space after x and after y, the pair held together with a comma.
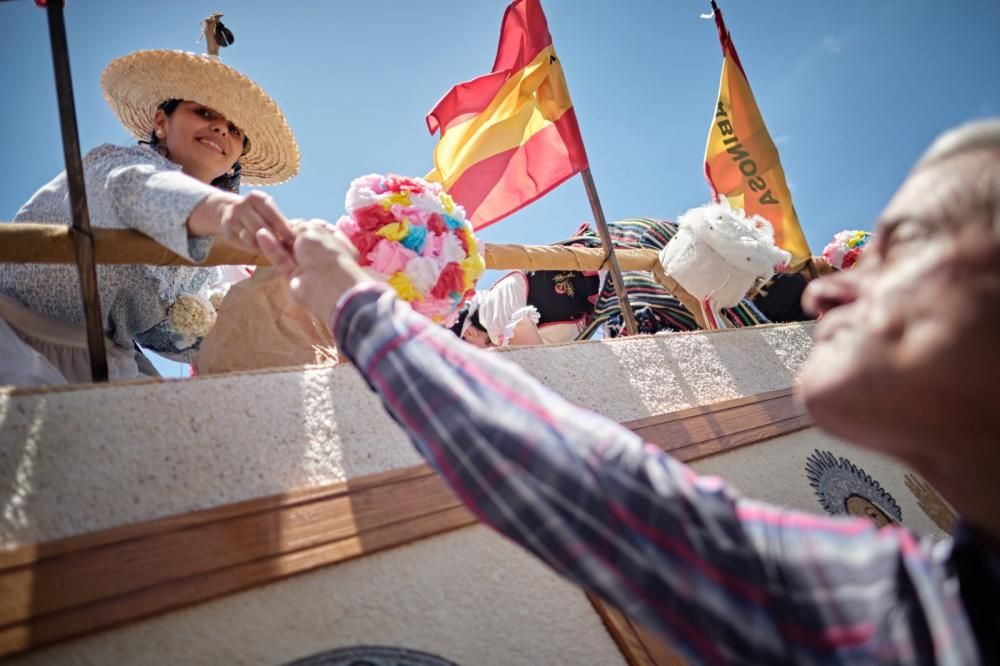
x: 742, y: 162
x: 510, y: 136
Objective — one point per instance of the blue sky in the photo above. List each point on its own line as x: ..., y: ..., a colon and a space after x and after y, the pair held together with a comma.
x: 851, y: 91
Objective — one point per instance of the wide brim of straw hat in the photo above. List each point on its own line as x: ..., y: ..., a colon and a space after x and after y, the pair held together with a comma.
x: 136, y: 84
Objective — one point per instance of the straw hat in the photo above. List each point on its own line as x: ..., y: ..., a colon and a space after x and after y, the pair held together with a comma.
x: 136, y: 84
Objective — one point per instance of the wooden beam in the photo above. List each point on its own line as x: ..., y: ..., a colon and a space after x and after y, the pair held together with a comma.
x: 72, y: 587
x: 28, y: 243
x: 75, y: 586
x: 699, y: 432
x: 638, y: 646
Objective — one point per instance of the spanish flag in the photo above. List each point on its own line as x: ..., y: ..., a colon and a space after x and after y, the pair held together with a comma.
x: 742, y: 162
x: 510, y: 136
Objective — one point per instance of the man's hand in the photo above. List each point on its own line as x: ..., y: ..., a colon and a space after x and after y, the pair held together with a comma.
x: 321, y: 265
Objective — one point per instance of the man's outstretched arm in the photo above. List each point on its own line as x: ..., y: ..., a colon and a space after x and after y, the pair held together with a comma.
x: 722, y: 578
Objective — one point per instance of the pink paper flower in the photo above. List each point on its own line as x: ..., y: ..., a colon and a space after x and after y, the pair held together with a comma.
x: 389, y: 257
x: 433, y: 245
x: 394, y: 183
x: 348, y: 226
x: 415, y: 215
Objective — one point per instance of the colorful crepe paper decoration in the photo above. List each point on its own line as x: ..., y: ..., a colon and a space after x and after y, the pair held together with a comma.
x: 410, y: 234
x: 846, y: 247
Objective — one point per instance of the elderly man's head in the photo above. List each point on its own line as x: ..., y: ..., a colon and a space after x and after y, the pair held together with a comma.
x: 906, y: 354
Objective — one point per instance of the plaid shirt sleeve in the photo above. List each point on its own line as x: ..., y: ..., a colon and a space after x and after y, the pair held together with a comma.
x: 721, y: 578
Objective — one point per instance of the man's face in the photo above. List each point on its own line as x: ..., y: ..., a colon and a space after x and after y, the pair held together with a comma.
x: 906, y: 349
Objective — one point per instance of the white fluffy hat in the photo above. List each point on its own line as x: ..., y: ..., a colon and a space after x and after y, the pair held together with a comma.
x: 719, y: 253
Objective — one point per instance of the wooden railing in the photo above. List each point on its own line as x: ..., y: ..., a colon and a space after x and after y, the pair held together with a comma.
x: 53, y: 244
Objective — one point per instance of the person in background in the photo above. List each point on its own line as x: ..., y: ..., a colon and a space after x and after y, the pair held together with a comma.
x: 780, y: 300
x: 561, y: 306
x: 203, y: 127
x: 904, y: 362
x: 539, y: 307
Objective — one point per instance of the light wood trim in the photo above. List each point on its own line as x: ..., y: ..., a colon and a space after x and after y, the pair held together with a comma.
x: 638, y: 646
x: 700, y: 432
x: 25, y: 242
x: 711, y: 408
x: 79, y: 585
x: 114, y: 611
x: 57, y: 583
x: 75, y: 544
x: 71, y: 587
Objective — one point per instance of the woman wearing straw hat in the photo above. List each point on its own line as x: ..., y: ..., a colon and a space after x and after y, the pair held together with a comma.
x: 202, y: 127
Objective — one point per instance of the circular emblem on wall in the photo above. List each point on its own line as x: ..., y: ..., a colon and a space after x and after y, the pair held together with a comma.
x: 844, y: 488
x: 372, y: 655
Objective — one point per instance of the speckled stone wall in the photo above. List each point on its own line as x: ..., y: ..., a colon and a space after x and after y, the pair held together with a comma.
x: 89, y: 458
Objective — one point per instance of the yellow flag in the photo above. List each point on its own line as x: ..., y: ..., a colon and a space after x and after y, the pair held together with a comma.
x: 742, y: 162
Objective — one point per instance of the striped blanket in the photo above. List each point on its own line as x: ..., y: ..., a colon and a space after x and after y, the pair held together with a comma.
x: 655, y: 309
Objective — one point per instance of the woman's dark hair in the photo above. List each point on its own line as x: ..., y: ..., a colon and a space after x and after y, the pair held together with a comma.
x: 227, y: 182
x: 456, y: 328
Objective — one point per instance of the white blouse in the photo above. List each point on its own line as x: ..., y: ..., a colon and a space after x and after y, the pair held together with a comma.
x: 128, y: 187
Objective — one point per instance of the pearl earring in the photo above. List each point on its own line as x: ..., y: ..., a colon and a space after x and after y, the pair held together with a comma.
x: 159, y: 134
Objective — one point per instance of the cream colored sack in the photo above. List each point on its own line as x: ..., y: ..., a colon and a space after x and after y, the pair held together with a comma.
x: 260, y: 326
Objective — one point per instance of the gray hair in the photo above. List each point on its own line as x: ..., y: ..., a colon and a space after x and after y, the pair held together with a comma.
x: 970, y: 136
x: 975, y: 135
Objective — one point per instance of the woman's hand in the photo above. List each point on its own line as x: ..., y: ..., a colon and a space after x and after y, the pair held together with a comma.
x: 321, y: 265
x: 237, y: 219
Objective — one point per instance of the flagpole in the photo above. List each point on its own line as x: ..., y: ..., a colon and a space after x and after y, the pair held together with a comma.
x: 810, y: 267
x: 83, y: 238
x: 616, y: 271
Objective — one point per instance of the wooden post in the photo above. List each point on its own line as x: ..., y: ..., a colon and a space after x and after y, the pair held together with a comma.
x: 83, y: 240
x: 616, y: 272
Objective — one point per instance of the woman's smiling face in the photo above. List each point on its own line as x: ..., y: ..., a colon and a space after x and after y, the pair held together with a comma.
x: 204, y: 142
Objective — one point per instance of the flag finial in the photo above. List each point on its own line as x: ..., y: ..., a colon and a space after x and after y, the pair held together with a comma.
x: 215, y: 34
